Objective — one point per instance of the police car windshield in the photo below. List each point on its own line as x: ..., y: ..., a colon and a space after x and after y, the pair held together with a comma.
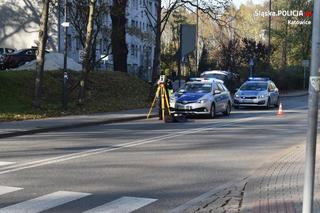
x: 214, y: 75
x: 197, y: 87
x: 254, y: 86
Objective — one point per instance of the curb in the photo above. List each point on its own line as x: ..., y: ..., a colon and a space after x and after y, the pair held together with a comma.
x: 293, y: 96
x: 71, y: 126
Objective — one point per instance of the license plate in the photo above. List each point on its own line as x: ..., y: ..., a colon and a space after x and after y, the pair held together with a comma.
x: 184, y: 107
x: 245, y: 101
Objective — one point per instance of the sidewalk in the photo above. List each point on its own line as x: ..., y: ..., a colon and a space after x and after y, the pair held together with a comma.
x: 278, y: 186
x: 275, y: 187
x: 16, y: 128
x: 294, y: 94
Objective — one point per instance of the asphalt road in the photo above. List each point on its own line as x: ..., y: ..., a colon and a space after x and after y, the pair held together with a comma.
x: 146, y: 166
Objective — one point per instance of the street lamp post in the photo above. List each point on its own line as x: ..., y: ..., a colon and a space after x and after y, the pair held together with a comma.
x: 197, y: 40
x: 314, y: 88
x: 269, y: 33
x: 65, y: 24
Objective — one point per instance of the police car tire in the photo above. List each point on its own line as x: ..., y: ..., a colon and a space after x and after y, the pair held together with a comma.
x: 212, y: 111
x: 268, y: 104
x: 228, y: 110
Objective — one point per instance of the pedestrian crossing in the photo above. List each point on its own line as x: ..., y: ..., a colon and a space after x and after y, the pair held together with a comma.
x: 122, y: 205
x: 6, y: 163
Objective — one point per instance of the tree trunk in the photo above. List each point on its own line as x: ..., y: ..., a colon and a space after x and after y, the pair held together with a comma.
x: 86, y: 53
x: 43, y: 35
x: 118, y: 35
x: 157, y: 49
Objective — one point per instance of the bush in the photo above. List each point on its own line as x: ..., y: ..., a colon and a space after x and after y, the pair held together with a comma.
x: 285, y: 80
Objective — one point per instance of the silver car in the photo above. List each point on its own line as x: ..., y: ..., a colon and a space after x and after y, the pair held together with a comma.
x: 260, y: 92
x: 202, y: 97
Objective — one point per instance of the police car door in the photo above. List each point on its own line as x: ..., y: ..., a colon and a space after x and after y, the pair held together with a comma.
x: 217, y: 97
x: 223, y: 96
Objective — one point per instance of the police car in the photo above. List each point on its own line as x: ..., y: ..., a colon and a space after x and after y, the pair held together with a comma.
x: 260, y: 92
x: 202, y: 96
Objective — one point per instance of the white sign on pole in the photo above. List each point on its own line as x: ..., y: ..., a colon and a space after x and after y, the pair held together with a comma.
x: 65, y: 24
x: 251, y: 63
x: 315, y: 83
x: 80, y: 55
x: 305, y: 63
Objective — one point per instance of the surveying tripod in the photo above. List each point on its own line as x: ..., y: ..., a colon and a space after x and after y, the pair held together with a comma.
x: 161, y: 90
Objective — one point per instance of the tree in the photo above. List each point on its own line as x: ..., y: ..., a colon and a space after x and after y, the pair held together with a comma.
x: 79, y: 14
x: 43, y: 36
x: 204, y: 63
x: 230, y: 56
x: 86, y: 53
x: 118, y: 35
x: 211, y: 9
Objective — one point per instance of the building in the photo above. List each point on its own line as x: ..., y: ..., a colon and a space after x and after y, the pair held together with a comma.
x: 20, y: 30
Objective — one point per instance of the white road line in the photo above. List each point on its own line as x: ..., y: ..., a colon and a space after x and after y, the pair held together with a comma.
x: 5, y: 163
x: 122, y: 205
x: 91, y: 152
x: 44, y: 202
x: 8, y: 189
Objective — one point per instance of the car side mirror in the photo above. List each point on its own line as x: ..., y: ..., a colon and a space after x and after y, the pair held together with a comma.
x: 216, y: 92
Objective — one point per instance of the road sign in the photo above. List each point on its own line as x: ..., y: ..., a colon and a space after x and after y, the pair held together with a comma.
x: 188, y: 39
x: 65, y: 24
x: 251, y: 62
x: 305, y: 63
x: 80, y: 55
x: 315, y: 83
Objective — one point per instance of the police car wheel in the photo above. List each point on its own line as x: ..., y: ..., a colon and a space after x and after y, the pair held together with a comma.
x: 268, y: 104
x: 228, y: 110
x: 212, y: 111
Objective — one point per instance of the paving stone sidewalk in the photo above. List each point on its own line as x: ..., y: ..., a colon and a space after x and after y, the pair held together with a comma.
x: 278, y: 186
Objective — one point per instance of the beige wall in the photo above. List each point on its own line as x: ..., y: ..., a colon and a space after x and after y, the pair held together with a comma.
x: 19, y: 24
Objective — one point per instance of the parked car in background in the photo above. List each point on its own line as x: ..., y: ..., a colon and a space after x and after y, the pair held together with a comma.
x: 4, y: 51
x: 18, y: 58
x: 257, y: 92
x: 230, y: 79
x: 202, y: 97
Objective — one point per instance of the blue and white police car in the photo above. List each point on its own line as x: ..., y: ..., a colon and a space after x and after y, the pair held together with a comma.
x: 260, y: 92
x: 202, y: 96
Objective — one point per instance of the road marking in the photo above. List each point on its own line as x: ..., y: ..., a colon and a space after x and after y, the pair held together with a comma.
x: 5, y: 163
x: 90, y: 152
x: 44, y: 202
x: 123, y: 205
x: 8, y: 189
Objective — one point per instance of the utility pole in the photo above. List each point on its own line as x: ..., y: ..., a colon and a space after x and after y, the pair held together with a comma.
x: 314, y: 87
x: 65, y: 24
x: 269, y: 37
x: 197, y: 40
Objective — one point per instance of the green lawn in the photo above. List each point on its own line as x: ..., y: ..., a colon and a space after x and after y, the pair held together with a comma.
x: 108, y: 91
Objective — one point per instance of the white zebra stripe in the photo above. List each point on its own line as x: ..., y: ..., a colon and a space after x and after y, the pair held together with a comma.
x: 43, y: 203
x: 122, y: 205
x: 5, y: 163
x: 8, y: 189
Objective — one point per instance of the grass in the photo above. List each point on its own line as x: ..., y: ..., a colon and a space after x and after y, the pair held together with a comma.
x: 107, y: 91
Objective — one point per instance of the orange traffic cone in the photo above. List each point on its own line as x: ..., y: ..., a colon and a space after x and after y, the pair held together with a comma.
x: 280, y: 111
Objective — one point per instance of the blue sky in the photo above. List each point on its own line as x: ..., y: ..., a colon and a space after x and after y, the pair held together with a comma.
x: 239, y: 2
